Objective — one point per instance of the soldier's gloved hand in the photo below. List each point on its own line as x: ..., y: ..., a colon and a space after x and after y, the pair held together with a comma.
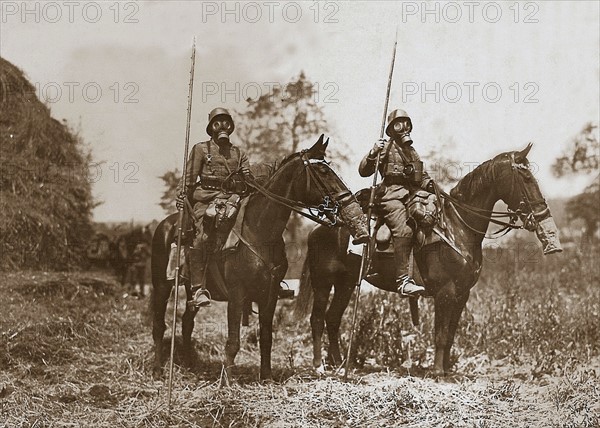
x: 180, y: 201
x: 246, y: 172
x: 377, y: 147
x: 430, y: 187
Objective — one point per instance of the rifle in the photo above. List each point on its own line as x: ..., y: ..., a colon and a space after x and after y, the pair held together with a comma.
x: 364, y: 261
x: 180, y: 226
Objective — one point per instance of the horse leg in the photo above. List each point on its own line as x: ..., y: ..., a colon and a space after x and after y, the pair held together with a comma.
x: 339, y: 303
x: 234, y: 318
x: 266, y: 310
x: 317, y: 319
x: 445, y: 306
x: 454, y: 319
x: 160, y: 297
x: 187, y: 326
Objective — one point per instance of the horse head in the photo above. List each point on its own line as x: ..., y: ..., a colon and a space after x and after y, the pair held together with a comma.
x: 305, y: 180
x: 518, y: 188
x: 313, y: 182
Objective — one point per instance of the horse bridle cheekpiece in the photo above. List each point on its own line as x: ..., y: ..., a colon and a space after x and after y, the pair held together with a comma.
x: 331, y: 205
x: 525, y: 211
x: 326, y: 212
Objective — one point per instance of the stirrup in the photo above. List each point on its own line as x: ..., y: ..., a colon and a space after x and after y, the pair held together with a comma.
x: 285, y: 293
x: 415, y: 289
x: 201, y: 298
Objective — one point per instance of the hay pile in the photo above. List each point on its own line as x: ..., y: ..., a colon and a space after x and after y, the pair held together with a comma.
x: 45, y: 195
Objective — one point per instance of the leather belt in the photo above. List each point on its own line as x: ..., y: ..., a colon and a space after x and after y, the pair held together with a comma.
x: 211, y: 183
x: 396, y: 179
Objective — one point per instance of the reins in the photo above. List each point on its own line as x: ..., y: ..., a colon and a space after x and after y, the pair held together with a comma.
x: 299, y: 206
x: 492, y: 216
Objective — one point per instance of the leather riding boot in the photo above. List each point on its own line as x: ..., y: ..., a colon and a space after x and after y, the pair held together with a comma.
x: 198, y: 261
x: 406, y: 286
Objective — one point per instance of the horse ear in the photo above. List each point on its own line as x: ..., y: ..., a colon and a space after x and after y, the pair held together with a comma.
x: 317, y: 151
x: 325, y: 145
x: 521, y: 156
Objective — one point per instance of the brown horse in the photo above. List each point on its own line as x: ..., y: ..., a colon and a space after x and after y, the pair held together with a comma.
x: 254, y: 271
x: 448, y: 274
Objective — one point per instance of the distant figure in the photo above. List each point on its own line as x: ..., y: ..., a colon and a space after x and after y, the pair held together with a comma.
x: 137, y: 268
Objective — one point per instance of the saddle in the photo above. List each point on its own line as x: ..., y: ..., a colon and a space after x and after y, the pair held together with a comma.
x: 424, y: 214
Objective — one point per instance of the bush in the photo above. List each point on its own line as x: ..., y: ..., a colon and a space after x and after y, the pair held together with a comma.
x: 544, y: 312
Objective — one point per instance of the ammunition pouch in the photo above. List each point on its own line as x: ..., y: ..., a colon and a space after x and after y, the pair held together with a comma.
x: 233, y: 184
x: 422, y: 210
x: 223, y: 210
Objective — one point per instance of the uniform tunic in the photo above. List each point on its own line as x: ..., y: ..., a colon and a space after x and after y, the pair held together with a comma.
x: 396, y: 189
x: 209, y: 165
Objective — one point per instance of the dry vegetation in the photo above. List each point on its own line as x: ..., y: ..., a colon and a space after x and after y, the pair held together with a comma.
x: 45, y: 192
x: 76, y: 351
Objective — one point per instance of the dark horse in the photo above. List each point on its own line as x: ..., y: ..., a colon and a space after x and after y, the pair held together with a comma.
x: 255, y: 269
x: 447, y: 274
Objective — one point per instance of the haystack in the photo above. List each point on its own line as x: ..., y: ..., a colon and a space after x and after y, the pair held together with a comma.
x: 45, y: 194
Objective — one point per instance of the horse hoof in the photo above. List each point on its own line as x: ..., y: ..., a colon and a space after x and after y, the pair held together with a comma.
x: 438, y: 374
x: 157, y: 373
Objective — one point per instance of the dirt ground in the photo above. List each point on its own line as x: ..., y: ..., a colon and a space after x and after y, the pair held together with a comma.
x: 77, y: 351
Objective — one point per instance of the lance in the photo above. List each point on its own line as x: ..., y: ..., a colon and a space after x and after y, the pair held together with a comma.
x: 180, y: 225
x: 364, y: 261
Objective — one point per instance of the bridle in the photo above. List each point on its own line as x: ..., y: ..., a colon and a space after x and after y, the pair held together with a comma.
x: 327, y: 211
x: 524, y: 211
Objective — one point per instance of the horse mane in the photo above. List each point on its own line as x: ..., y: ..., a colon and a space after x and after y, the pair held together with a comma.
x: 263, y: 171
x: 475, y: 182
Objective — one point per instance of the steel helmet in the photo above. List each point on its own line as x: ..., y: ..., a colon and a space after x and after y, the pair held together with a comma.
x: 216, y: 112
x: 394, y: 116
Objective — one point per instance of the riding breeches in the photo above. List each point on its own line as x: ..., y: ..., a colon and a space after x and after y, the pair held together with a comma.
x: 395, y: 217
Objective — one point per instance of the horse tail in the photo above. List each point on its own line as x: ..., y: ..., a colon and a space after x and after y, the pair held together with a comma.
x: 305, y: 292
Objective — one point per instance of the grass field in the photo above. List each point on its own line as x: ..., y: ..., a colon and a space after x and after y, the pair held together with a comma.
x: 77, y: 351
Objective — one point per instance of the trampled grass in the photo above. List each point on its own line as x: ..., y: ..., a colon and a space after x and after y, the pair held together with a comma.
x: 77, y: 351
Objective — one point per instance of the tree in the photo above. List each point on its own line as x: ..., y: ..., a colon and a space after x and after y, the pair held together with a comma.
x: 586, y: 206
x: 582, y: 154
x: 441, y: 165
x: 171, y: 180
x: 275, y: 124
x: 581, y: 157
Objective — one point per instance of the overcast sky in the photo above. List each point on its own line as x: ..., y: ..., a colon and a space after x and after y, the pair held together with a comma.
x: 487, y: 76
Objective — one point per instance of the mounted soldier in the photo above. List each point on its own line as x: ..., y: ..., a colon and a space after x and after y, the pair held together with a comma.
x: 403, y: 175
x: 221, y: 168
x: 214, y: 187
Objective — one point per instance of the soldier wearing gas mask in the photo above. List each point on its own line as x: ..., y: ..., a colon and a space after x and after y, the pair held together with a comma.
x: 402, y: 172
x: 221, y: 167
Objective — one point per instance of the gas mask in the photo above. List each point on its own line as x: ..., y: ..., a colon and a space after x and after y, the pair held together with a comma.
x: 221, y: 128
x: 401, y: 130
x: 547, y: 234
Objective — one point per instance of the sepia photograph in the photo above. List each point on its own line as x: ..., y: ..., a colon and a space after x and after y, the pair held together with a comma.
x: 299, y: 213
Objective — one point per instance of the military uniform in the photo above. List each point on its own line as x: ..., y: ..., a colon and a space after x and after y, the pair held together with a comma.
x: 402, y: 172
x: 212, y: 172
